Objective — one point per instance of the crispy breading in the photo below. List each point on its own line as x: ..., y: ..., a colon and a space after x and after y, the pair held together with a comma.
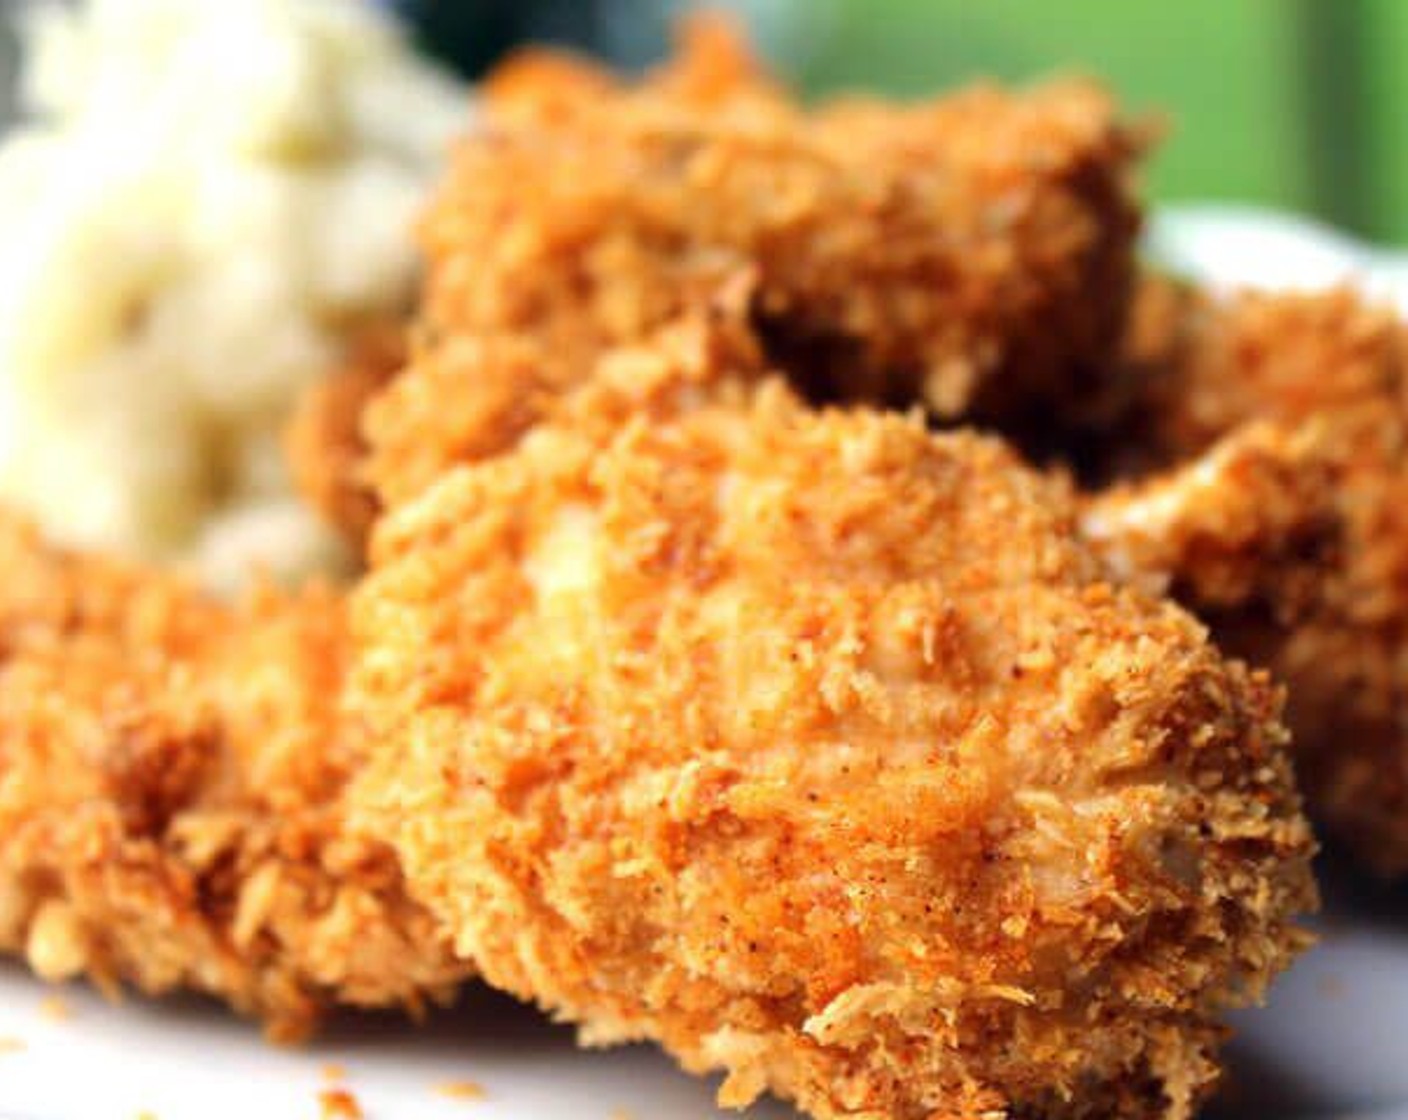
x: 1332, y: 367
x: 171, y: 796
x: 973, y: 252
x: 1249, y: 526
x: 819, y: 749
x: 478, y: 395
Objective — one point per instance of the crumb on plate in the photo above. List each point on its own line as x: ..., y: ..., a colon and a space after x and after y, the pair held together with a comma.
x: 462, y: 1090
x: 340, y: 1104
x: 55, y: 1009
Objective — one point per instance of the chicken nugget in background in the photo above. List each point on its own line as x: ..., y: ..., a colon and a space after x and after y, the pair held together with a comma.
x: 973, y: 253
x: 1250, y: 525
x: 819, y: 749
x: 171, y: 797
x: 1332, y: 369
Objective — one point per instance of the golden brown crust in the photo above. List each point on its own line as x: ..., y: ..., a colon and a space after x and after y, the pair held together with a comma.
x: 1250, y: 525
x: 974, y: 252
x: 1333, y: 369
x: 817, y: 748
x: 171, y: 777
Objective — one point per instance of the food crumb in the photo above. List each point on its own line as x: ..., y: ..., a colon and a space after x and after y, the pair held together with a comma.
x: 339, y: 1104
x: 334, y: 1072
x: 55, y: 1009
x: 1331, y: 986
x: 462, y: 1090
x: 11, y: 1045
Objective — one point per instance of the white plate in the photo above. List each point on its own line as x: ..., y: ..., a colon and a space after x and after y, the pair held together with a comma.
x: 1332, y: 1043
x: 189, y: 1060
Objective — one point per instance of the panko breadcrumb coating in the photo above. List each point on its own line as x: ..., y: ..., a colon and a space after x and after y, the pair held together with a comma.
x: 1334, y: 369
x: 1249, y: 526
x: 436, y: 415
x: 819, y: 749
x: 973, y: 252
x: 171, y: 783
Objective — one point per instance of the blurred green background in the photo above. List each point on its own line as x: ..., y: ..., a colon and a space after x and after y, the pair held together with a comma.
x: 1299, y: 104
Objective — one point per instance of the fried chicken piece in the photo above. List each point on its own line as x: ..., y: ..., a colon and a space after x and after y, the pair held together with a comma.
x: 818, y: 748
x: 1209, y: 364
x: 1248, y: 526
x: 974, y: 252
x: 1335, y: 366
x: 324, y: 443
x: 171, y: 797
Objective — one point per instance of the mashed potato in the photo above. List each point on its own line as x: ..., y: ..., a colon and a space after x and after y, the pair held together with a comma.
x: 208, y: 199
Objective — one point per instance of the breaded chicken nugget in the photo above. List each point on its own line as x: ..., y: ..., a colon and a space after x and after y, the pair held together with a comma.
x: 1248, y: 527
x: 973, y: 253
x: 818, y: 748
x: 171, y: 797
x: 1335, y: 368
